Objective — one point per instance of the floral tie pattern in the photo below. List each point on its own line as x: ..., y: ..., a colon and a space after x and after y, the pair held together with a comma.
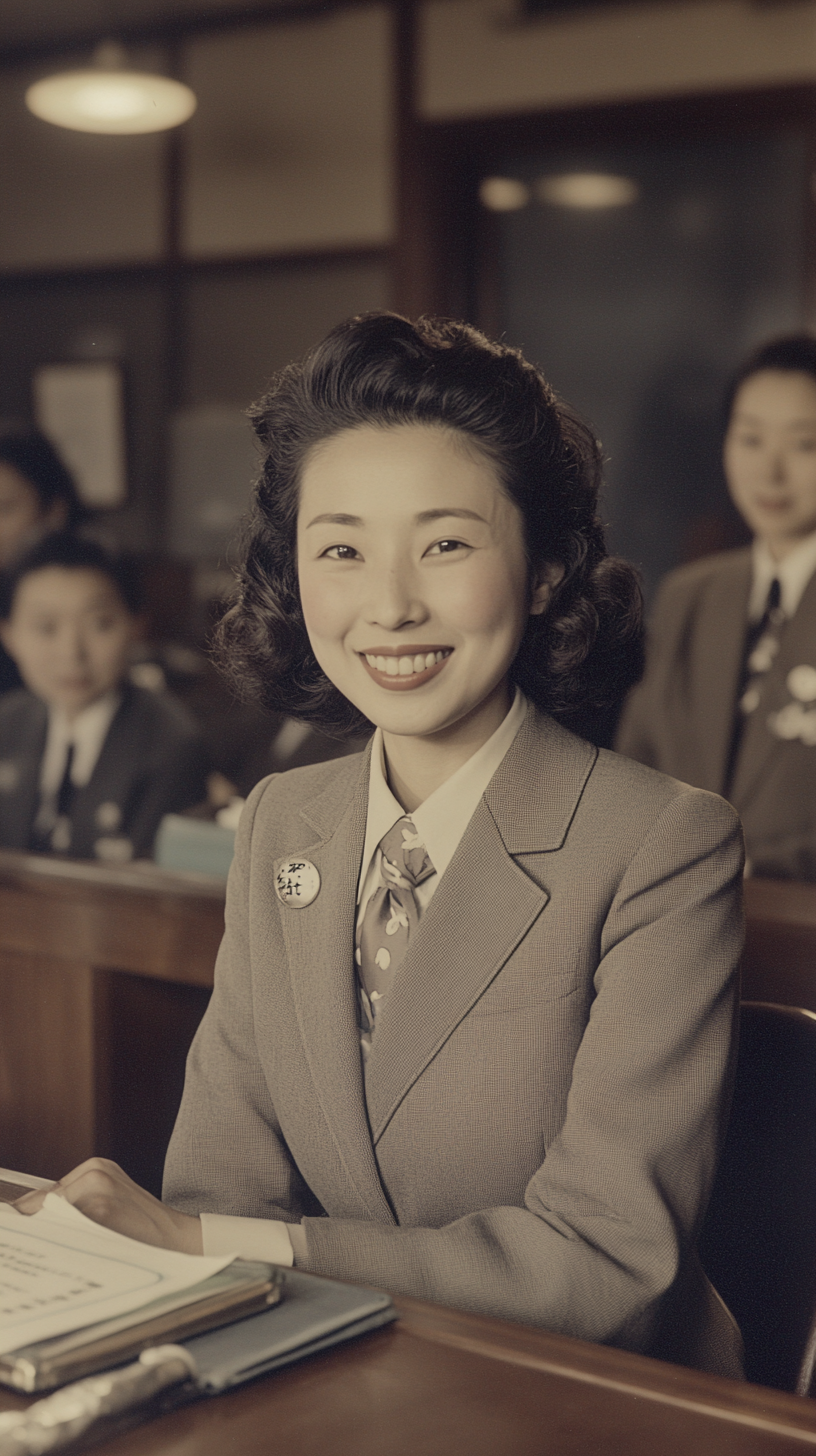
x: 389, y: 919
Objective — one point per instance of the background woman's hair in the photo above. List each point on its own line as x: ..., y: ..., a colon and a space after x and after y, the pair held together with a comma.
x: 789, y: 354
x: 71, y: 553
x: 34, y: 457
x: 579, y: 658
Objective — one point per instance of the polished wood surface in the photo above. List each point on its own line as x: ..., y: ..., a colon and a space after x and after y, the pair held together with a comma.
x: 104, y: 976
x: 779, y: 963
x: 440, y: 1383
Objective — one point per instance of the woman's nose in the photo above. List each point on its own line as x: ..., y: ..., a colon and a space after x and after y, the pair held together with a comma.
x: 74, y: 647
x: 393, y: 601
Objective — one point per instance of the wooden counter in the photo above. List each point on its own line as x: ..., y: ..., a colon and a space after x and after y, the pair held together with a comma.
x: 104, y: 976
x: 440, y: 1383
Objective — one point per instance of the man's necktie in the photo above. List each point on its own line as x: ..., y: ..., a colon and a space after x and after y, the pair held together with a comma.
x: 389, y: 919
x: 761, y: 648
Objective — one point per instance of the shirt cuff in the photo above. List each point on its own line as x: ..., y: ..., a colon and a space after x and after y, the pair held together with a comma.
x: 250, y: 1238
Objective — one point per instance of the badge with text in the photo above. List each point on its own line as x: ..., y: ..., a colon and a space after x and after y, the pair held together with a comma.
x: 297, y: 883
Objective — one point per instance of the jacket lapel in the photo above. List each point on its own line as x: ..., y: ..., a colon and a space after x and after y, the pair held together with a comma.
x: 484, y: 906
x: 759, y: 744
x: 320, y: 948
x: 717, y: 667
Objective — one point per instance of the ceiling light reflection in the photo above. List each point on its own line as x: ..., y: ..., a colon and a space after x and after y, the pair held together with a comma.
x: 587, y: 190
x: 503, y: 194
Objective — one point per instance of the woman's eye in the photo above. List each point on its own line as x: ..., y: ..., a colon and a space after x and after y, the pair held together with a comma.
x: 443, y: 548
x: 340, y: 553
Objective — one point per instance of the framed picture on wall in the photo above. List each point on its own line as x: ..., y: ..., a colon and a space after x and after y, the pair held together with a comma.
x: 80, y: 407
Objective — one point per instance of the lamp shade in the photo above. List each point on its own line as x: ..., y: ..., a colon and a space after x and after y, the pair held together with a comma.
x: 112, y: 101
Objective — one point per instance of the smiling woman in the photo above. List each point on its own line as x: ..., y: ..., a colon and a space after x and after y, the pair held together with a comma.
x: 470, y: 1036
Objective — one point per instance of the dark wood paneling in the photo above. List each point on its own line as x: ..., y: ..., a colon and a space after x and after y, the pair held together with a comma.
x: 47, y: 1062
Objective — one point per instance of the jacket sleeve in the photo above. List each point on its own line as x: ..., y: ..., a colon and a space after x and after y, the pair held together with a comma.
x: 611, y: 1216
x: 212, y: 1163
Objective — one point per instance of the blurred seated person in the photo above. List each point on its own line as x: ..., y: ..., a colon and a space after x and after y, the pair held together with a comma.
x: 37, y: 496
x: 728, y: 701
x: 89, y: 762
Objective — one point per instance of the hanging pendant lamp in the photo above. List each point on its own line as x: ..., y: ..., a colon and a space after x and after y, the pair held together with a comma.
x: 108, y: 98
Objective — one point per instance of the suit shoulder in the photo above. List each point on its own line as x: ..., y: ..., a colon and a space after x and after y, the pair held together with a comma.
x: 18, y: 709
x: 688, y: 580
x: 647, y: 792
x: 160, y: 713
x: 282, y: 798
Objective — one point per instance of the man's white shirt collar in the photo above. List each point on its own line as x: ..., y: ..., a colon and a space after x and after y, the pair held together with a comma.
x: 87, y: 731
x: 793, y: 574
x: 444, y: 816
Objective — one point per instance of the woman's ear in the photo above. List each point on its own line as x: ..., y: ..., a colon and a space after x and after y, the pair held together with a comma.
x: 545, y: 581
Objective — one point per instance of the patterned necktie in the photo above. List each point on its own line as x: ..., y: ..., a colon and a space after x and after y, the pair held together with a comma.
x: 761, y: 646
x: 389, y: 919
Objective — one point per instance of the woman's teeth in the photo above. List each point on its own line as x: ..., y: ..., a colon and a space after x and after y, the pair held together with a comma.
x: 404, y: 666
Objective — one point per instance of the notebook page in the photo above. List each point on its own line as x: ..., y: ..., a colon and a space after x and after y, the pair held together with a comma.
x: 59, y: 1271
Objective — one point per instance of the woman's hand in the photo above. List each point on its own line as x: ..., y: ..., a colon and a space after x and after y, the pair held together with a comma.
x: 100, y: 1190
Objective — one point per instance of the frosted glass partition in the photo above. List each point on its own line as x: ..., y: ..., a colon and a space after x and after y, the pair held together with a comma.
x: 70, y: 198
x: 291, y: 144
x: 639, y: 312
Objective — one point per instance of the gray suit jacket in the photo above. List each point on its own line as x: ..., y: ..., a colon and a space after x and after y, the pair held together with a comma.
x: 549, y: 1081
x: 680, y: 719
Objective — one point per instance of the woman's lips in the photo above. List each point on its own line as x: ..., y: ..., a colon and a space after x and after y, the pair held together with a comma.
x: 409, y: 668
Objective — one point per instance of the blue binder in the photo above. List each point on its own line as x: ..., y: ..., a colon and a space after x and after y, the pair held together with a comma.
x: 312, y: 1315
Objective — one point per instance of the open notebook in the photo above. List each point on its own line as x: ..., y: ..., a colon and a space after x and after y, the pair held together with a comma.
x: 76, y: 1298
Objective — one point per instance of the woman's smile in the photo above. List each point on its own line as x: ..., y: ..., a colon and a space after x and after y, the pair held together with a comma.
x: 403, y: 668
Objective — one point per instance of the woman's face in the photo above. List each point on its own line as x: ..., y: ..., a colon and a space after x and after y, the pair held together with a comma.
x: 770, y: 457
x: 22, y: 518
x: 413, y: 577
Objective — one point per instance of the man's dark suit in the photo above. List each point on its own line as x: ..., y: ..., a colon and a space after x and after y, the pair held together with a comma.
x: 680, y: 719
x: 152, y: 763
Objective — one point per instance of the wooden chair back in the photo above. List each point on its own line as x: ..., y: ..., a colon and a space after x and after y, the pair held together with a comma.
x: 758, y: 1244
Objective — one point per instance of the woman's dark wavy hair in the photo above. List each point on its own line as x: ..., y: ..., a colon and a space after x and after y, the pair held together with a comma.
x: 579, y: 658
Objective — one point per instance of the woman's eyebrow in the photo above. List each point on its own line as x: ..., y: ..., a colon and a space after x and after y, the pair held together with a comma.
x: 330, y: 519
x: 441, y: 512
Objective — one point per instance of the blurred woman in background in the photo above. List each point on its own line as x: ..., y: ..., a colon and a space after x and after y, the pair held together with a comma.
x: 728, y: 702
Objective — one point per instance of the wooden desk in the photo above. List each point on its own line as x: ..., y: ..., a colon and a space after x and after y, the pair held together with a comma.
x: 104, y: 976
x: 440, y: 1383
x: 779, y: 963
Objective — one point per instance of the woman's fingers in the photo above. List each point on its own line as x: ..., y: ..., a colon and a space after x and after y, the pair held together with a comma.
x: 31, y: 1202
x: 103, y: 1192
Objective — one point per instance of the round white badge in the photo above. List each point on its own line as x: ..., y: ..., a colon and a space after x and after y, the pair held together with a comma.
x: 297, y: 883
x: 802, y: 683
